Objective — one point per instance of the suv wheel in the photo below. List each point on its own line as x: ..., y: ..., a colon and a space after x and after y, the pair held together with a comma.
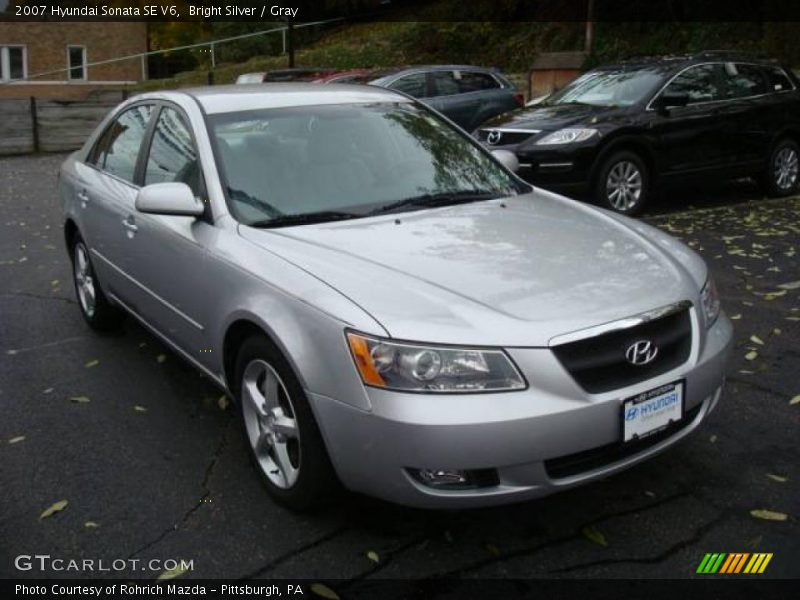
x: 623, y: 183
x: 782, y: 176
x: 95, y: 307
x: 285, y: 443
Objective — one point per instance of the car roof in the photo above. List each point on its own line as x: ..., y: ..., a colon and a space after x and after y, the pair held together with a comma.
x: 233, y: 98
x: 380, y: 73
x: 685, y: 60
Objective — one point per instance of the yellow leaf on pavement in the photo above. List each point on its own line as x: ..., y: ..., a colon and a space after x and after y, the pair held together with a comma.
x: 323, y: 591
x: 594, y: 535
x: 172, y: 573
x: 57, y: 507
x: 752, y: 355
x: 769, y: 515
x: 79, y: 399
x: 140, y: 409
x: 161, y: 358
x: 778, y: 478
x: 91, y: 525
x: 92, y: 363
x: 17, y: 440
x: 373, y: 556
x: 756, y: 340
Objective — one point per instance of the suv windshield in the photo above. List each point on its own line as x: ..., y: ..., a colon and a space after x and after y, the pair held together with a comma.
x: 610, y: 87
x: 298, y: 165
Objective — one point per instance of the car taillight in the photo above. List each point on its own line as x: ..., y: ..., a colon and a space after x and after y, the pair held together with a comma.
x: 519, y: 99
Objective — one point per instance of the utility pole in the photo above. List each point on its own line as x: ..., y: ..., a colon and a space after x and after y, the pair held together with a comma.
x: 290, y: 41
x: 589, y: 39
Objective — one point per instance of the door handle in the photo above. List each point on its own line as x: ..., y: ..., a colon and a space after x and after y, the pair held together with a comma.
x: 129, y: 224
x: 83, y: 196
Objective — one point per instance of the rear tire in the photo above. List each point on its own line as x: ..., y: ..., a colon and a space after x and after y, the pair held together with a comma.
x: 623, y: 183
x: 781, y: 177
x: 98, y: 312
x: 283, y: 438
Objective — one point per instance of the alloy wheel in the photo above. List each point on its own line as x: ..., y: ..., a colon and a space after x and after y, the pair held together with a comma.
x: 624, y: 185
x: 84, y: 280
x: 786, y: 168
x: 272, y: 428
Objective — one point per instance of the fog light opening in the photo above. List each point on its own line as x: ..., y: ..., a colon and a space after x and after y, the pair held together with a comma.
x: 439, y: 477
x: 455, y: 479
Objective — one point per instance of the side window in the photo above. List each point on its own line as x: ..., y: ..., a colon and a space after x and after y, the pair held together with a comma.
x: 470, y: 81
x: 173, y: 156
x: 413, y: 85
x: 118, y: 148
x: 744, y: 81
x: 778, y: 80
x: 702, y: 83
x: 444, y: 83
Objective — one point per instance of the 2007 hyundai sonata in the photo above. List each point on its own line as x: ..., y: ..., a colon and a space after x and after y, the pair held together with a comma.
x: 391, y: 307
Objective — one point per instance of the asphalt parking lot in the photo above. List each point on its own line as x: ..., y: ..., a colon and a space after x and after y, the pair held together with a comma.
x: 154, y: 466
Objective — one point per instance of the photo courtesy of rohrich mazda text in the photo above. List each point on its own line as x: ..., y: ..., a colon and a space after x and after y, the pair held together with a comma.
x: 391, y: 307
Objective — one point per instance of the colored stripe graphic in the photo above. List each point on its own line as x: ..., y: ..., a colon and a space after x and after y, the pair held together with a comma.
x: 758, y: 563
x: 722, y: 563
x: 711, y: 563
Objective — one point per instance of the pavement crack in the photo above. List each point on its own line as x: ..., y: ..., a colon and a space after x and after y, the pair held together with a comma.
x: 698, y: 535
x: 530, y: 550
x: 293, y: 553
x: 204, y: 486
x: 69, y: 340
x: 39, y: 296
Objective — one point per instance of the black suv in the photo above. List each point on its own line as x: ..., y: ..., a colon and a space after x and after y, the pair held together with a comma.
x: 618, y: 130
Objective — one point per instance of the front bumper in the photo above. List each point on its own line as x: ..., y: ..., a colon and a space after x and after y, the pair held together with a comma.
x: 567, y: 166
x: 521, y: 435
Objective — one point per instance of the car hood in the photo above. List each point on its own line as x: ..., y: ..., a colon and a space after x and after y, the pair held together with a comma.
x: 551, y: 118
x: 511, y: 273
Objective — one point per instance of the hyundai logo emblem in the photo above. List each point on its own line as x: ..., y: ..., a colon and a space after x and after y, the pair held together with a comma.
x: 641, y: 353
x: 494, y: 137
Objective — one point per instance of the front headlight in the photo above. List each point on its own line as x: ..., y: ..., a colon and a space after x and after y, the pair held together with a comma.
x: 422, y: 368
x: 710, y: 301
x: 567, y: 136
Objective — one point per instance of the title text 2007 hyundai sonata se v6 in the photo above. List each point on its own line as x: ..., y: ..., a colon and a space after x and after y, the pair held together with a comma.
x: 391, y: 307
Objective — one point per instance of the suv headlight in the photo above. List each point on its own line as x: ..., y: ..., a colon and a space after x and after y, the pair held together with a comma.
x: 567, y: 136
x: 422, y: 368
x: 710, y: 301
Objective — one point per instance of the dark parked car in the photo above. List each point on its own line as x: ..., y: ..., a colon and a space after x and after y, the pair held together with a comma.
x: 619, y: 130
x: 466, y: 95
x: 283, y: 75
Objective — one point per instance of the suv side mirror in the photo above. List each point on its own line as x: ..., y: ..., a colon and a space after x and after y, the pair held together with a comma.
x: 171, y: 198
x: 671, y: 99
x: 508, y: 159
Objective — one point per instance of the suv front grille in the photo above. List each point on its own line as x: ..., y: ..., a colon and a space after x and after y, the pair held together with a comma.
x: 599, y: 364
x: 506, y: 137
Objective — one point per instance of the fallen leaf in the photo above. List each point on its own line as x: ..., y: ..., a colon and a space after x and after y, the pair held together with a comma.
x: 792, y: 285
x: 773, y: 295
x: 756, y: 340
x: 769, y: 515
x: 373, y: 556
x: 140, y: 409
x: 752, y: 355
x: 493, y: 550
x: 594, y: 535
x: 778, y: 478
x: 92, y: 363
x: 223, y: 402
x: 735, y: 317
x: 776, y: 331
x: 57, y: 507
x: 48, y: 391
x: 712, y: 439
x: 161, y: 358
x: 55, y: 282
x: 649, y: 494
x: 142, y: 344
x: 17, y: 440
x: 91, y: 525
x: 79, y: 399
x: 172, y: 573
x: 795, y: 400
x: 11, y: 352
x: 323, y: 591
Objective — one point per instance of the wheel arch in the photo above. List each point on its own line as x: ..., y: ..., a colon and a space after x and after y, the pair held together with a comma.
x: 71, y: 232
x: 625, y: 142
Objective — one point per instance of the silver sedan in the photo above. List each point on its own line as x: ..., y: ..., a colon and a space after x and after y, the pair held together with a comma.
x: 392, y: 309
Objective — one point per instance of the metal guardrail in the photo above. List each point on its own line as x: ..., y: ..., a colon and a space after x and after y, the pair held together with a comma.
x: 211, y: 44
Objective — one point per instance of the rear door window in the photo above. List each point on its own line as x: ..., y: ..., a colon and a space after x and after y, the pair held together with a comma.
x: 702, y: 83
x: 744, y: 80
x: 117, y: 150
x: 445, y: 84
x: 470, y: 81
x: 414, y: 85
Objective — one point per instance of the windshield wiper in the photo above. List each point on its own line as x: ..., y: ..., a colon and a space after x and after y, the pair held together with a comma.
x: 434, y: 200
x: 245, y: 198
x: 304, y: 219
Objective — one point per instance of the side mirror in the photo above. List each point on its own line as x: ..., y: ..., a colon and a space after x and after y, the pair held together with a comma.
x: 669, y: 100
x: 508, y: 159
x: 169, y: 199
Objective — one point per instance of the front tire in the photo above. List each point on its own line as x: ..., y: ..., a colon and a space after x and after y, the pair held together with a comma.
x: 282, y: 435
x: 95, y: 307
x: 782, y: 174
x: 623, y: 183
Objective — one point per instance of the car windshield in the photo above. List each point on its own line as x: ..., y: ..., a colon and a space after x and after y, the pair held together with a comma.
x: 610, y: 87
x: 296, y: 165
